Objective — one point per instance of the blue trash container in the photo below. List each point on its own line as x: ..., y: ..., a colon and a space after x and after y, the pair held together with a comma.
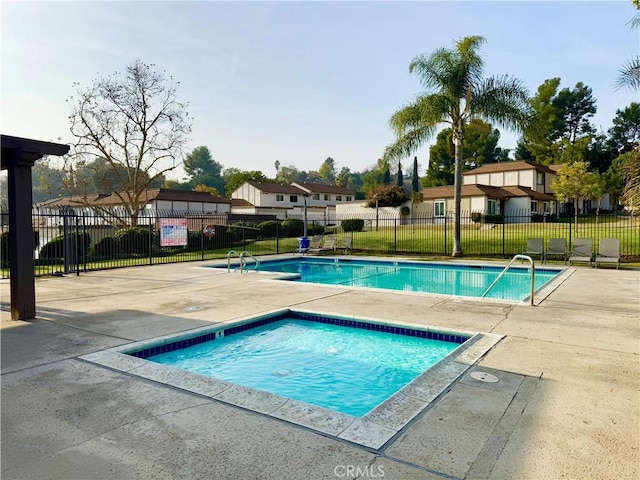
x: 303, y: 245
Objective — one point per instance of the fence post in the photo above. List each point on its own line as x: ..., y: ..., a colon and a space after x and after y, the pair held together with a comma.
x: 277, y: 236
x: 66, y: 248
x: 570, y: 241
x: 444, y: 249
x: 503, y: 246
x: 395, y: 235
x: 84, y: 232
x: 201, y: 239
x: 150, y: 242
x: 77, y: 253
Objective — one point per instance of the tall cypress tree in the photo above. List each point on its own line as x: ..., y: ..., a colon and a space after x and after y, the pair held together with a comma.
x: 415, y: 182
x: 399, y: 179
x: 387, y: 177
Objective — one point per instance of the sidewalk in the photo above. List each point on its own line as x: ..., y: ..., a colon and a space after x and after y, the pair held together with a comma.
x: 566, y: 405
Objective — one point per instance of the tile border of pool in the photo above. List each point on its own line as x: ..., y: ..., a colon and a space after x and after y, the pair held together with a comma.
x: 372, y: 431
x: 540, y: 295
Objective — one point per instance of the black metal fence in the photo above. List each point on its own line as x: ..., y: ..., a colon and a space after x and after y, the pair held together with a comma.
x: 66, y: 242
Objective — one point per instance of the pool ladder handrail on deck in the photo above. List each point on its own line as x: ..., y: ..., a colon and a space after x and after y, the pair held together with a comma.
x: 533, y: 274
x: 243, y: 260
x: 229, y: 259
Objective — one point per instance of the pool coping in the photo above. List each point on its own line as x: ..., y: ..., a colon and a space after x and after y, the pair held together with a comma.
x: 539, y: 295
x: 371, y: 431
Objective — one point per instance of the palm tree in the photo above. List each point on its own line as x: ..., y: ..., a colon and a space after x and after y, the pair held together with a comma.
x: 455, y: 92
x: 629, y: 75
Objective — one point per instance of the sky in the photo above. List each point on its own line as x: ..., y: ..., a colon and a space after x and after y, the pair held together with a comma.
x: 301, y: 81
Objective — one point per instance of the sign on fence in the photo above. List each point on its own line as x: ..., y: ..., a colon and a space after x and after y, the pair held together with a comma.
x: 173, y: 232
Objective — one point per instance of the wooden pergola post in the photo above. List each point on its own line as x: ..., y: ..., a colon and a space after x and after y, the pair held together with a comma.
x: 18, y: 156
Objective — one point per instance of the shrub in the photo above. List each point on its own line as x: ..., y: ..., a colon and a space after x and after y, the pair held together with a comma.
x: 315, y: 229
x: 352, y: 224
x: 4, y: 245
x: 246, y: 233
x: 292, y: 227
x: 540, y: 218
x: 269, y: 228
x: 55, y: 247
x: 493, y: 219
x: 106, y: 247
x: 387, y: 196
x: 134, y: 240
x: 476, y: 217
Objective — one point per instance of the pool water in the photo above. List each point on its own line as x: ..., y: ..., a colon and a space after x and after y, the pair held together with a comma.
x: 350, y: 370
x: 463, y: 280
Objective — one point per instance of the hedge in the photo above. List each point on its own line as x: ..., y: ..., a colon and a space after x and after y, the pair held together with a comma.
x: 352, y: 224
x: 55, y: 247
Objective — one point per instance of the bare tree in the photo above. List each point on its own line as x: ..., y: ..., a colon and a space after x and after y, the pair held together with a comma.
x: 134, y: 122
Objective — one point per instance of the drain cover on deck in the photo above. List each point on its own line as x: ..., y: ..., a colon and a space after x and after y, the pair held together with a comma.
x: 484, y: 377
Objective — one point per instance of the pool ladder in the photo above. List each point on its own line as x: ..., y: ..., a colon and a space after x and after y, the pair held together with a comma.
x: 243, y: 260
x: 533, y: 275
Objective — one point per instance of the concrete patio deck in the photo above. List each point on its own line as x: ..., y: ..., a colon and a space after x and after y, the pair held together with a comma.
x: 567, y: 404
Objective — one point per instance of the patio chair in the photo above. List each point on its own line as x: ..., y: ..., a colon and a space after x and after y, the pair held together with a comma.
x: 557, y: 248
x: 327, y: 246
x: 608, y: 251
x: 314, y: 243
x: 582, y: 250
x: 535, y: 246
x: 344, y: 245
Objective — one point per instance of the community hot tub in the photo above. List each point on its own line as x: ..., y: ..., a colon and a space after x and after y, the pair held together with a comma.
x: 357, y: 379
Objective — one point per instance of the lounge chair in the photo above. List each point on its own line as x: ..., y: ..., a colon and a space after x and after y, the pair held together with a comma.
x: 327, y: 246
x: 582, y: 251
x: 608, y: 251
x: 557, y: 248
x: 535, y: 246
x: 344, y: 245
x: 314, y: 243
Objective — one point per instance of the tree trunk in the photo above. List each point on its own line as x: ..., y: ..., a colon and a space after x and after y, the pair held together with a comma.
x: 575, y: 214
x: 457, y: 195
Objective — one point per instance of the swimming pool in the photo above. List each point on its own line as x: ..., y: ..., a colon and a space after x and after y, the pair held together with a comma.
x: 317, y: 361
x: 373, y: 429
x: 438, y: 278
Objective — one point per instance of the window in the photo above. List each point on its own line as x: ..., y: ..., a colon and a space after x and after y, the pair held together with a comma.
x: 338, y: 198
x: 534, y: 206
x: 349, y: 198
x: 439, y: 208
x: 492, y: 207
x: 279, y: 198
x: 293, y: 198
x: 327, y: 197
x: 540, y: 178
x: 316, y: 196
x: 547, y: 207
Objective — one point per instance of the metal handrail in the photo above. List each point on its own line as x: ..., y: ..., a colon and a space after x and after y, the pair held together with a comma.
x: 533, y: 274
x: 243, y: 260
x: 229, y: 259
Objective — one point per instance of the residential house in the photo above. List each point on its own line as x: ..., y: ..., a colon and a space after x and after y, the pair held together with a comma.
x: 258, y: 198
x: 514, y: 189
x: 156, y: 201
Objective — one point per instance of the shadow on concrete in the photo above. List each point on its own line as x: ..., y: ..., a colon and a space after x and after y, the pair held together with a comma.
x: 58, y: 334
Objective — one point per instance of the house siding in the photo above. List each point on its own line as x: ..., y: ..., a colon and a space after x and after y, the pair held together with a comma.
x: 519, y: 209
x: 478, y: 204
x: 510, y: 178
x: 527, y: 178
